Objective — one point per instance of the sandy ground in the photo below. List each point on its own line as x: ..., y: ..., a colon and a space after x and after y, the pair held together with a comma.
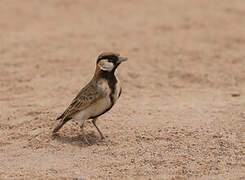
x: 182, y: 111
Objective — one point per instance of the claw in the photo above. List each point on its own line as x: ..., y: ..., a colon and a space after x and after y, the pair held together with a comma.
x: 86, y: 140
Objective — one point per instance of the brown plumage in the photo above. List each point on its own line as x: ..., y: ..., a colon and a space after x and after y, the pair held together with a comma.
x: 98, y: 96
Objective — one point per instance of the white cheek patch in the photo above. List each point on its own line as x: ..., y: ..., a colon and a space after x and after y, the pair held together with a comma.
x: 105, y: 65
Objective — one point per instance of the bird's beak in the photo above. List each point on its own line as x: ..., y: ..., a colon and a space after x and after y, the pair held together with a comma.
x: 122, y: 59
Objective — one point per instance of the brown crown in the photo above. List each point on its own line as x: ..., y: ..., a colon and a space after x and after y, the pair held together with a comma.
x: 108, y: 54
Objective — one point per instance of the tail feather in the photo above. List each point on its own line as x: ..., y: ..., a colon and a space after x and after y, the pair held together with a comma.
x: 61, y: 123
x: 61, y: 116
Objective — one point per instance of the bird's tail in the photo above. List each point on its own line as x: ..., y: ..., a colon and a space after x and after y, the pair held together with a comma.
x: 60, y: 124
x: 61, y: 116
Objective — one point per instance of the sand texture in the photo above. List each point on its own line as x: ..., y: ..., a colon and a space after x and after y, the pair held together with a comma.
x: 181, y: 114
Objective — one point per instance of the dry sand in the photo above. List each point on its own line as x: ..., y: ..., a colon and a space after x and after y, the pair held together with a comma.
x: 182, y: 111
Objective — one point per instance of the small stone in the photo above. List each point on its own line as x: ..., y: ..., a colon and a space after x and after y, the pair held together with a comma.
x: 235, y: 94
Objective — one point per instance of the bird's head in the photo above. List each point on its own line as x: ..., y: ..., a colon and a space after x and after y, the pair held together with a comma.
x: 109, y: 61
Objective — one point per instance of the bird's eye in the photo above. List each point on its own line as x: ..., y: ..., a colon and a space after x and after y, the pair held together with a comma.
x: 111, y: 60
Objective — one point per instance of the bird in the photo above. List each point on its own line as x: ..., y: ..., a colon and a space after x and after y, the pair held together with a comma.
x: 98, y: 96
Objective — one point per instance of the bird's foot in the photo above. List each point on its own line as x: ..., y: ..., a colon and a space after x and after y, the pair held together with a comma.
x: 86, y: 139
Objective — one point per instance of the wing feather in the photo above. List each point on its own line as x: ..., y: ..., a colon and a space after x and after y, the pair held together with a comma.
x: 84, y: 98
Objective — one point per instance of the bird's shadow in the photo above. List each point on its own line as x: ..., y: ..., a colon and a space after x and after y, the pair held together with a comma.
x: 79, y: 140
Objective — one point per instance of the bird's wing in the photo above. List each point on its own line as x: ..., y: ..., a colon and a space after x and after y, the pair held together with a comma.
x: 85, y: 97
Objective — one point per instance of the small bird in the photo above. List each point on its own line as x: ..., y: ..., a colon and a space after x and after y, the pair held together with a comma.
x: 98, y: 96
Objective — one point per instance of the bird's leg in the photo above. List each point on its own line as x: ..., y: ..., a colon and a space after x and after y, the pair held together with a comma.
x: 94, y: 123
x: 83, y: 134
